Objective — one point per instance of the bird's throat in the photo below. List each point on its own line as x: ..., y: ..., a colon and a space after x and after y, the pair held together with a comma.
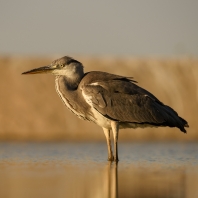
x: 69, y: 83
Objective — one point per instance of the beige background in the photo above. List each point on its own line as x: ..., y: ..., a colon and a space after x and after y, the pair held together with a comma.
x: 30, y: 109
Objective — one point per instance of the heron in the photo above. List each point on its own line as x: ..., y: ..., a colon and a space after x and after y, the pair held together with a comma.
x: 111, y: 101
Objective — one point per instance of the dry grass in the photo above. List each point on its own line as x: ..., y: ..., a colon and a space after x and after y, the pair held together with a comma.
x: 31, y: 110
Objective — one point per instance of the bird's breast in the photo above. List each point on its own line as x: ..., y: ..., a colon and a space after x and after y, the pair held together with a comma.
x: 69, y: 103
x: 80, y: 106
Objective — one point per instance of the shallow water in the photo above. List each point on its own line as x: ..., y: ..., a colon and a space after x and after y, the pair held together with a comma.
x: 81, y: 170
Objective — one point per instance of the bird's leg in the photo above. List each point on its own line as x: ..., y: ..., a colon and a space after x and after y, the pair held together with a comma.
x: 107, y: 135
x: 115, y: 130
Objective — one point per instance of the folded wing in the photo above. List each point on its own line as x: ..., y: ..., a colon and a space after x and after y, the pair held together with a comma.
x: 120, y: 99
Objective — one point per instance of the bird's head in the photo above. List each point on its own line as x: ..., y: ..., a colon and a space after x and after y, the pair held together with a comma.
x: 63, y: 66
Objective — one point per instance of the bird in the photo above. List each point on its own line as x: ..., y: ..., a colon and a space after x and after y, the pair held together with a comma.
x: 111, y: 101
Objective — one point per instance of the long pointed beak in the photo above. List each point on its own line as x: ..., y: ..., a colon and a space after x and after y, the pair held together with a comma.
x: 45, y: 69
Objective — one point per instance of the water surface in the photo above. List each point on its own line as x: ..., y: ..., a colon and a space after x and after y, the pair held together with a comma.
x: 81, y: 170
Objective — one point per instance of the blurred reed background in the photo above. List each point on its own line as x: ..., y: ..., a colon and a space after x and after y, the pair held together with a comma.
x: 30, y: 109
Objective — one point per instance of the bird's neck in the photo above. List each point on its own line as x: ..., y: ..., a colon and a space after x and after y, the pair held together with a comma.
x: 70, y: 82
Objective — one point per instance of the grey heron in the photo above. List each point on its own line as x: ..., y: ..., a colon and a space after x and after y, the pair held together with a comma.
x: 111, y: 101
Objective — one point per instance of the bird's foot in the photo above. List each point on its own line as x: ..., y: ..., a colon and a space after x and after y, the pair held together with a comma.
x: 111, y: 158
x: 116, y: 160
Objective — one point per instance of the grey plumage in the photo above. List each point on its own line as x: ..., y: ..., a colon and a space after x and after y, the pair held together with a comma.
x: 109, y: 100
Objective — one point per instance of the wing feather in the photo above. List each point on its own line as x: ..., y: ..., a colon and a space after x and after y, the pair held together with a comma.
x: 125, y: 106
x: 119, y: 99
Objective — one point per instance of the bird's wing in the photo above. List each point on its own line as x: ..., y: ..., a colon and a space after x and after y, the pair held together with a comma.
x: 119, y: 99
x: 123, y: 101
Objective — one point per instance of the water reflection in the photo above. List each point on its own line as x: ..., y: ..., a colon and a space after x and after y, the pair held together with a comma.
x: 146, y: 182
x: 111, y: 181
x: 50, y: 170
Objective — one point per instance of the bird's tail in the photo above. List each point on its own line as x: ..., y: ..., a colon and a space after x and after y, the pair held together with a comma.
x: 173, y: 120
x: 184, y: 123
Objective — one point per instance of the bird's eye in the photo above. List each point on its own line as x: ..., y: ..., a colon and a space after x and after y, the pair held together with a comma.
x: 61, y: 65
